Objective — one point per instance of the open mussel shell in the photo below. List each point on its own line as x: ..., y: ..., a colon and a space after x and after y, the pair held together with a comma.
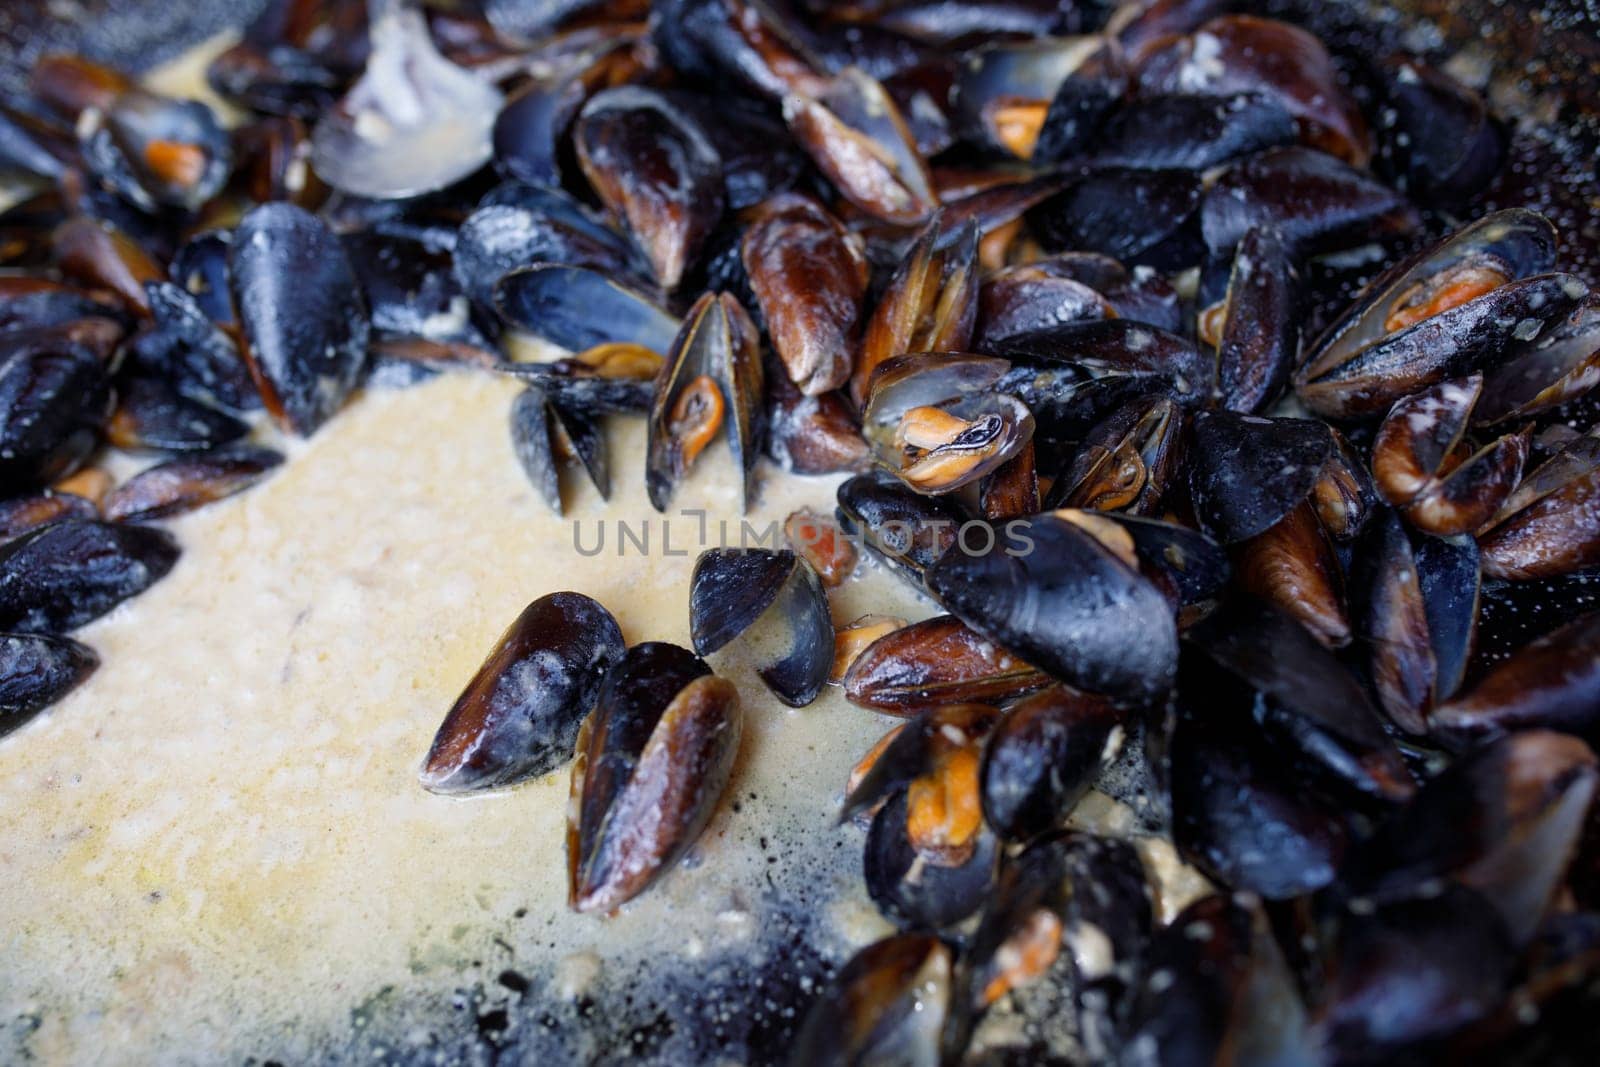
x: 888, y: 1004
x: 1551, y: 683
x: 656, y: 172
x: 1217, y: 989
x: 934, y: 421
x: 544, y: 436
x: 577, y: 308
x: 1464, y: 303
x: 36, y: 670
x: 1505, y: 819
x: 809, y: 275
x: 56, y: 398
x: 920, y: 749
x: 1247, y: 472
x: 1065, y: 602
x: 1003, y: 92
x: 1312, y: 705
x: 157, y: 152
x: 1416, y: 614
x: 1550, y: 524
x: 911, y: 891
x: 936, y: 661
x: 58, y: 577
x: 1422, y: 464
x: 1042, y: 758
x: 189, y: 482
x: 777, y: 600
x: 712, y: 380
x: 930, y: 304
x: 652, y: 762
x: 301, y: 311
x: 414, y: 123
x: 1072, y: 909
x: 900, y: 526
x: 1564, y: 364
x: 519, y: 715
x: 1127, y: 461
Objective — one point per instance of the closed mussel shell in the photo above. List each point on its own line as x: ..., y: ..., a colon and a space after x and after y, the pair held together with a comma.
x: 519, y: 715
x: 60, y: 576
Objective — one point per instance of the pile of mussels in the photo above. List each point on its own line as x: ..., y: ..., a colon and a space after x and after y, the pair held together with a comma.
x: 1093, y: 282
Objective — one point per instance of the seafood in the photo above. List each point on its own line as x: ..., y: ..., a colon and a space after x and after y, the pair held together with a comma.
x: 779, y: 597
x: 519, y: 715
x: 652, y: 761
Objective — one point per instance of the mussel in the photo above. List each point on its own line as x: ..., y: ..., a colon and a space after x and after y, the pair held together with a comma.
x: 776, y: 602
x: 653, y: 759
x: 60, y: 576
x: 519, y: 715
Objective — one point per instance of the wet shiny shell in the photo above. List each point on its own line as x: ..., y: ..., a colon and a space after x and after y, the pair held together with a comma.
x: 37, y: 670
x: 302, y: 314
x: 519, y: 715
x: 1043, y: 757
x: 1248, y: 472
x: 61, y: 576
x: 778, y: 599
x: 1067, y: 605
x: 189, y: 482
x: 54, y: 401
x: 936, y: 661
x: 659, y: 751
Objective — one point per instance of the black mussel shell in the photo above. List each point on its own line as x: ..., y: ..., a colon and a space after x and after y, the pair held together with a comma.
x: 152, y: 416
x: 1441, y: 144
x: 1248, y: 472
x: 902, y: 527
x: 733, y: 590
x: 301, y: 311
x: 158, y: 152
x: 200, y: 266
x: 1216, y: 989
x: 914, y: 893
x: 36, y: 670
x: 652, y: 762
x: 543, y: 434
x: 518, y: 717
x: 54, y: 401
x: 1042, y: 758
x: 520, y: 225
x: 1191, y: 132
x: 888, y: 1004
x: 1056, y: 596
x: 1140, y: 216
x: 577, y: 309
x: 61, y: 576
x: 191, y: 352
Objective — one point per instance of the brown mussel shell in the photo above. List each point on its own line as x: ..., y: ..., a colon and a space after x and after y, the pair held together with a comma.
x: 189, y: 482
x: 518, y: 716
x: 660, y: 749
x: 936, y: 661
